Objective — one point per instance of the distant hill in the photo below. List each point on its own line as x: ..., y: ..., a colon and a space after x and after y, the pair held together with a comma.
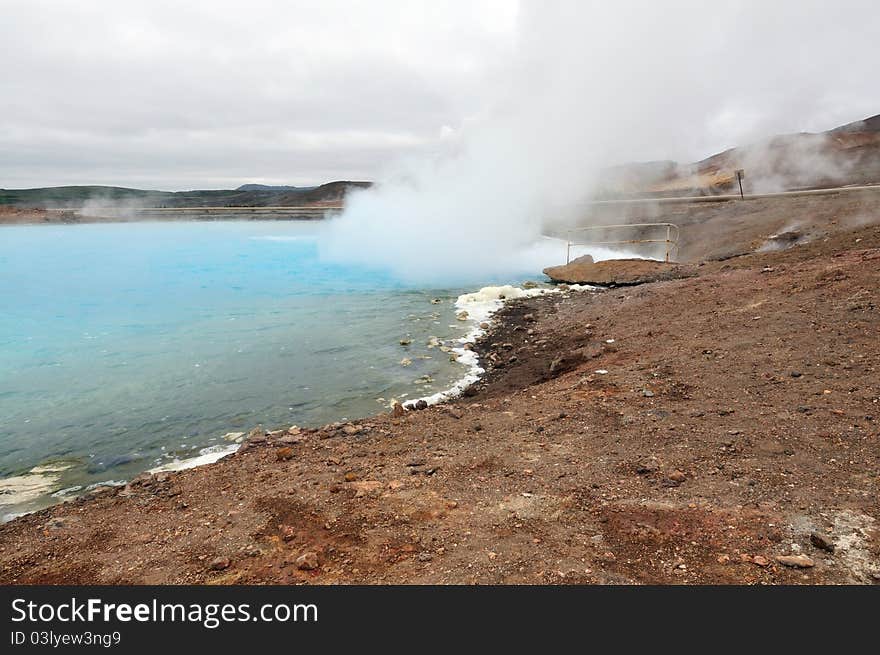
x: 75, y: 197
x: 269, y: 187
x: 846, y: 155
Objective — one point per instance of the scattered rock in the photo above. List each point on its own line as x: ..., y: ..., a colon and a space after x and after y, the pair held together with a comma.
x: 676, y: 477
x: 308, y: 561
x: 351, y: 476
x: 462, y: 315
x: 255, y: 437
x: 405, y: 342
x: 406, y: 361
x: 796, y: 561
x: 364, y: 486
x: 616, y: 271
x: 645, y: 468
x: 647, y: 393
x: 219, y: 564
x: 785, y: 238
x: 760, y: 560
x: 822, y: 541
x: 397, y: 410
x: 350, y: 429
x: 284, y: 454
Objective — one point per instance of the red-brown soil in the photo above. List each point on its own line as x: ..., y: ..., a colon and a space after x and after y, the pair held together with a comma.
x: 736, y: 422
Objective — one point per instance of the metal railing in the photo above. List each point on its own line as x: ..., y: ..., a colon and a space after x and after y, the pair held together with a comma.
x: 671, y: 239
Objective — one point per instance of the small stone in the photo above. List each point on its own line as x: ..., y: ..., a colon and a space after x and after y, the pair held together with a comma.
x: 421, y: 404
x: 796, y: 561
x: 350, y: 429
x: 219, y: 564
x: 308, y: 561
x: 462, y: 315
x: 284, y: 454
x: 405, y: 342
x: 351, y: 476
x: 796, y: 374
x: 645, y: 468
x: 760, y: 561
x: 257, y: 435
x: 822, y: 541
x: 397, y: 410
x: 288, y: 533
x: 647, y: 393
x: 677, y: 477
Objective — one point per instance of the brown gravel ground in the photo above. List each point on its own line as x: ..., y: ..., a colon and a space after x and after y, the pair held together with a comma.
x: 737, y: 422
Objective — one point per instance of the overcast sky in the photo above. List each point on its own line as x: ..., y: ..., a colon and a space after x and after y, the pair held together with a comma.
x: 176, y: 95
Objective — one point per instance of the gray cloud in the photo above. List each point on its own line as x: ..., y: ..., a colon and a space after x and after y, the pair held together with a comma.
x: 182, y: 95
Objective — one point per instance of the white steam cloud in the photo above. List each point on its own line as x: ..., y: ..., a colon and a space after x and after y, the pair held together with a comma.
x: 595, y: 84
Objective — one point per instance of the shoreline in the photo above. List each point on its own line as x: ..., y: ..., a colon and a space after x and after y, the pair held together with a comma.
x: 73, y: 216
x: 480, y: 306
x: 642, y: 435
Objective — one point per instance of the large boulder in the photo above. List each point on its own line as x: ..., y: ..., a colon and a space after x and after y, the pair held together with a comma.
x: 616, y: 272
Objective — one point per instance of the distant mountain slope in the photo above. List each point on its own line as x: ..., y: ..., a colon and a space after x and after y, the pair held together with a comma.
x: 846, y: 155
x: 269, y: 187
x: 75, y: 197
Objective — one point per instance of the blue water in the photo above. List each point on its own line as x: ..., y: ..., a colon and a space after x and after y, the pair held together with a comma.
x: 123, y: 346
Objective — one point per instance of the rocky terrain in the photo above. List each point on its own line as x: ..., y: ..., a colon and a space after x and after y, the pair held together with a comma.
x: 719, y: 428
x: 846, y: 155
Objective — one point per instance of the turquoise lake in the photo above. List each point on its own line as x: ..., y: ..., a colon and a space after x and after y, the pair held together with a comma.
x: 128, y: 346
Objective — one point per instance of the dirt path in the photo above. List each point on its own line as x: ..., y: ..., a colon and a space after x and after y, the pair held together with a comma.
x: 737, y: 422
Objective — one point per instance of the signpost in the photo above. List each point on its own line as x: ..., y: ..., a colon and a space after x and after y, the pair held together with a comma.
x: 740, y: 174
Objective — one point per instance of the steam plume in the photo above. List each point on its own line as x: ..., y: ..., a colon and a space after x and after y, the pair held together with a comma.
x: 594, y: 84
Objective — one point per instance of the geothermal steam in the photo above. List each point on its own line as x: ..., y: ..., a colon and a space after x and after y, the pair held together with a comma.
x: 591, y: 85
